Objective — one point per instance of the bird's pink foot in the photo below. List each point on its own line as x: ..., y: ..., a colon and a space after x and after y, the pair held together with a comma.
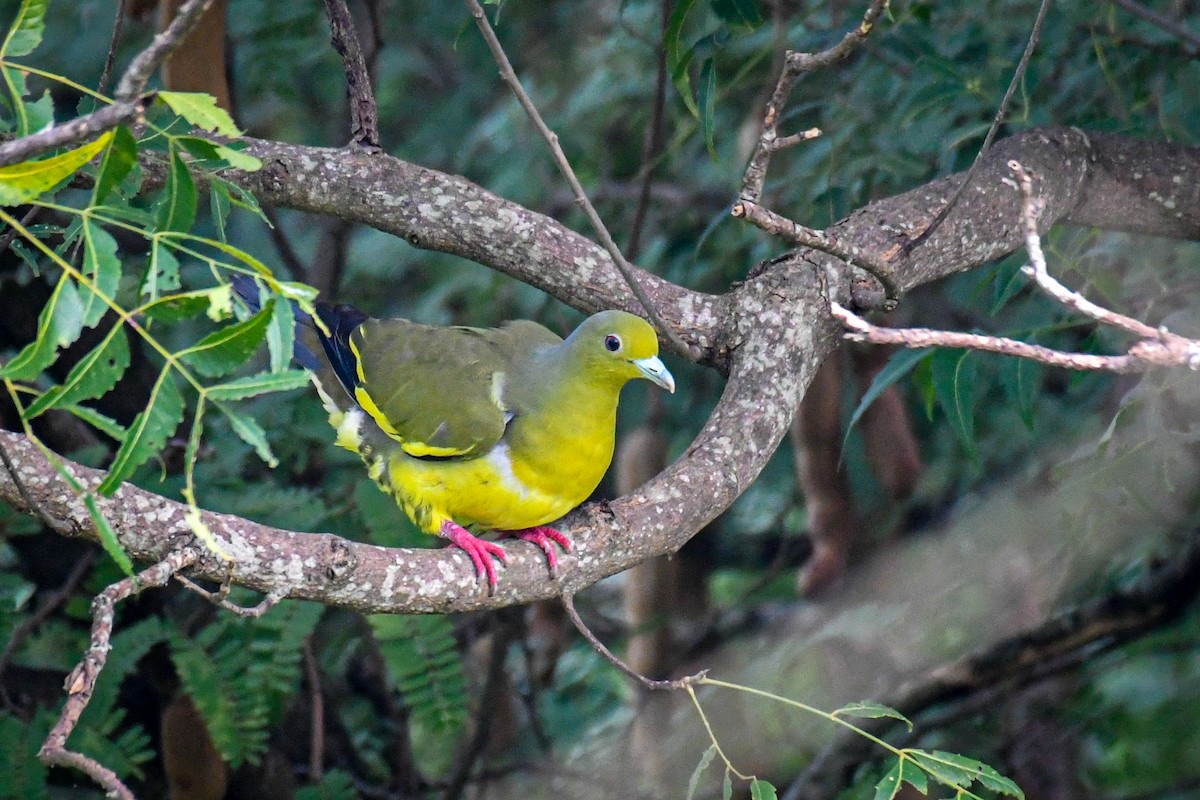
x: 481, y: 551
x: 543, y: 536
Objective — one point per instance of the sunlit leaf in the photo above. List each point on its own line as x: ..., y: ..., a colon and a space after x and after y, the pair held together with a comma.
x: 100, y: 422
x: 263, y: 383
x: 94, y: 375
x: 202, y: 111
x: 225, y: 350
x: 212, y: 151
x: 148, y: 432
x: 20, y: 183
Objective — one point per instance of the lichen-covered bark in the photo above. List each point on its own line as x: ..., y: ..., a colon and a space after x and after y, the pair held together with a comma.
x: 767, y: 334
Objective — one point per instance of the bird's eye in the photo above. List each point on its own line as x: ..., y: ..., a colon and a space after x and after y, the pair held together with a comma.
x: 612, y: 343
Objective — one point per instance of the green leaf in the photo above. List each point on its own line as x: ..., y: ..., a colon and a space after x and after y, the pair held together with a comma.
x: 177, y: 209
x: 103, y: 267
x: 727, y: 786
x: 26, y: 32
x: 20, y: 183
x: 250, y: 432
x: 94, y: 375
x: 162, y: 273
x: 679, y: 57
x: 281, y: 336
x: 869, y: 710
x: 254, y: 385
x: 954, y: 374
x: 148, y: 432
x: 119, y: 160
x: 205, y: 150
x: 912, y: 774
x: 1007, y: 283
x: 1021, y: 379
x: 889, y: 784
x: 899, y: 365
x: 335, y: 785
x: 202, y: 111
x: 100, y: 422
x: 176, y: 307
x: 219, y: 206
x: 738, y: 12
x: 705, y: 760
x: 761, y: 790
x: 223, y: 351
x: 108, y: 537
x: 706, y: 94
x: 957, y: 770
x: 59, y: 325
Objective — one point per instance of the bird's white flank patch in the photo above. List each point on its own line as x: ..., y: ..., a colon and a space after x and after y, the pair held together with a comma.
x: 501, y: 461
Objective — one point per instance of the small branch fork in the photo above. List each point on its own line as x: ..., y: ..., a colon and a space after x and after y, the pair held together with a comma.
x: 509, y: 76
x: 82, y: 681
x: 130, y: 104
x: 1156, y: 347
x: 770, y: 141
x: 364, y: 114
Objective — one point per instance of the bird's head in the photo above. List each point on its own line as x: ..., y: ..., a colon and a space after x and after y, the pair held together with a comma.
x: 619, y: 346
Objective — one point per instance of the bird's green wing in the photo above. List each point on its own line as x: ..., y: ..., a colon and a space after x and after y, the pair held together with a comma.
x: 439, y: 391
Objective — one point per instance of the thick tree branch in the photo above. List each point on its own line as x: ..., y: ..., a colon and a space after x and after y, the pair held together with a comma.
x: 744, y: 430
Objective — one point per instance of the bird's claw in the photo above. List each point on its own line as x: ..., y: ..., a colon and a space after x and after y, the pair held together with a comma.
x: 480, y: 551
x: 543, y: 536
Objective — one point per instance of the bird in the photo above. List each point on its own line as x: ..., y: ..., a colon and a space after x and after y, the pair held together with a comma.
x: 503, y: 429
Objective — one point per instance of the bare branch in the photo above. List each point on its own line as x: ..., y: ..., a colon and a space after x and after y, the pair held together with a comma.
x: 1001, y: 112
x: 509, y: 76
x: 794, y: 65
x: 144, y: 63
x: 364, y: 114
x: 1171, y: 26
x: 218, y: 598
x: 568, y: 602
x: 129, y: 106
x: 82, y: 680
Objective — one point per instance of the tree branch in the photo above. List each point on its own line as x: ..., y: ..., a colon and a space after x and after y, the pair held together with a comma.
x: 364, y: 115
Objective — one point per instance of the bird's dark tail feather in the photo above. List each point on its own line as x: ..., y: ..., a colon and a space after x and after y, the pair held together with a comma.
x: 342, y: 321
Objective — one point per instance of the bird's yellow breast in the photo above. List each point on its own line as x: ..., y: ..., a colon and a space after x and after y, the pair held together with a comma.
x: 546, y: 470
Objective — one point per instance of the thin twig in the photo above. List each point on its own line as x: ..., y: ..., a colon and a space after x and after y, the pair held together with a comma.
x: 130, y: 104
x: 997, y: 121
x: 316, y: 738
x: 653, y: 138
x: 502, y: 636
x: 113, y: 43
x: 364, y: 114
x: 794, y: 65
x: 146, y: 62
x: 1171, y: 26
x: 49, y: 604
x: 219, y: 600
x: 568, y: 602
x: 509, y: 76
x: 82, y: 681
x: 797, y: 234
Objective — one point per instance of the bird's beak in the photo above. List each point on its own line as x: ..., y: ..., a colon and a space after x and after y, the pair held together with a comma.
x: 653, y: 369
